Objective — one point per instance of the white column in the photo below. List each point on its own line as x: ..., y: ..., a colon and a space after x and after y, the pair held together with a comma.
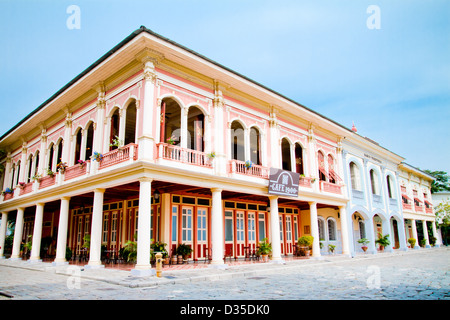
x: 414, y: 230
x: 96, y: 230
x: 314, y: 229
x: 62, y: 232
x: 425, y: 233
x: 219, y: 133
x: 7, y: 179
x: 17, y: 234
x: 37, y: 232
x: 344, y: 230
x: 275, y: 230
x: 217, y: 236
x: 386, y: 227
x: 370, y: 234
x: 143, y: 267
x: 438, y: 242
x: 401, y: 234
x: 146, y: 140
x: 3, y: 227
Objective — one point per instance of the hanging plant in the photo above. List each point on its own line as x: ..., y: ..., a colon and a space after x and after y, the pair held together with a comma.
x: 248, y: 164
x: 97, y: 156
x: 61, y: 167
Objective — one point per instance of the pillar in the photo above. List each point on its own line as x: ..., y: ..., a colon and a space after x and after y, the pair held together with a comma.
x: 96, y: 230
x: 414, y: 230
x: 143, y: 267
x: 425, y: 234
x: 435, y: 234
x: 370, y: 233
x: 37, y: 232
x: 62, y: 232
x: 217, y: 227
x: 275, y: 230
x: 3, y: 228
x: 344, y: 230
x: 17, y: 234
x: 314, y: 229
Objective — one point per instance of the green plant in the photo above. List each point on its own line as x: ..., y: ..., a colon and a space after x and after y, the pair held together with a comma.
x: 433, y: 240
x: 363, y: 241
x: 27, y: 245
x: 184, y: 250
x: 412, y: 242
x: 423, y: 242
x: 130, y: 251
x: 86, y: 242
x: 159, y: 247
x: 248, y: 164
x: 320, y: 243
x: 116, y: 142
x: 50, y: 173
x: 68, y: 253
x: 331, y: 247
x: 306, y: 241
x: 265, y: 247
x: 383, y: 241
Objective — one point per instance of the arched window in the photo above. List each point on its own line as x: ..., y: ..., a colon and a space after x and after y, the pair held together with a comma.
x: 237, y: 141
x: 89, y: 141
x: 355, y: 176
x: 255, y: 146
x: 13, y: 171
x: 59, y: 151
x: 30, y: 168
x: 286, y: 154
x: 389, y: 186
x: 17, y: 173
x: 374, y: 181
x: 331, y: 169
x: 362, y: 229
x: 50, y: 157
x: 114, y: 129
x: 36, y: 164
x: 170, y: 122
x: 299, y: 158
x: 322, y: 171
x: 331, y: 229
x: 196, y: 129
x: 78, y: 138
x: 321, y: 225
x: 130, y: 124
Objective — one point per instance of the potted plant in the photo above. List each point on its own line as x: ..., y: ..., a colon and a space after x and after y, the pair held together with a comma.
x: 363, y: 241
x: 36, y: 177
x: 412, y: 242
x: 331, y: 248
x: 171, y: 140
x: 97, y: 156
x: 116, y: 142
x: 423, y: 242
x: 82, y: 163
x: 7, y: 191
x: 383, y: 241
x: 184, y: 250
x: 50, y: 173
x: 161, y: 247
x: 27, y: 247
x: 130, y: 251
x: 304, y: 244
x: 61, y: 167
x: 248, y: 164
x: 265, y: 248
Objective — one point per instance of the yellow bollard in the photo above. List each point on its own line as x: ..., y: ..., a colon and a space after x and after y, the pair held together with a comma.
x: 158, y: 264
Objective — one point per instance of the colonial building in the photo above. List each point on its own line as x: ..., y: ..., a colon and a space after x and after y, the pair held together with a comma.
x: 374, y: 205
x: 155, y: 142
x: 417, y: 205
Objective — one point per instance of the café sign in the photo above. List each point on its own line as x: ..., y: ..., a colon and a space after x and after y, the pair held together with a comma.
x: 283, y: 182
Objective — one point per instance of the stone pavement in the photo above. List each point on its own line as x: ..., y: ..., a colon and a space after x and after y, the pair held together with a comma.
x: 413, y: 274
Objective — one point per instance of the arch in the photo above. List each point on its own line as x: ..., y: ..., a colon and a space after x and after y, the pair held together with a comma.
x: 321, y: 227
x: 392, y: 194
x: 114, y: 126
x: 50, y: 157
x: 29, y: 168
x: 332, y: 229
x: 170, y: 129
x: 298, y: 150
x: 321, y: 162
x: 89, y: 140
x: 237, y: 137
x: 286, y: 163
x: 374, y: 175
x: 130, y: 122
x: 77, y: 147
x: 331, y: 167
x: 255, y: 145
x: 196, y: 128
x: 355, y: 176
x: 59, y: 150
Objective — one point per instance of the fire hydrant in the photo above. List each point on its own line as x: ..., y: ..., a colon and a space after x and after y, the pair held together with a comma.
x: 158, y: 264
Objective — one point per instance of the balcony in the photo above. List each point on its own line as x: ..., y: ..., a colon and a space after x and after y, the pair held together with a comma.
x: 407, y: 206
x: 418, y: 208
x: 429, y: 210
x: 305, y: 182
x: 330, y: 187
x: 26, y: 188
x: 119, y: 155
x: 77, y: 170
x: 47, y: 181
x: 237, y: 166
x: 183, y: 155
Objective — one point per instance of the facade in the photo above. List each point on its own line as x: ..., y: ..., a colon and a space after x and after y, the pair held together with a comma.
x: 415, y: 186
x: 374, y: 206
x: 155, y: 142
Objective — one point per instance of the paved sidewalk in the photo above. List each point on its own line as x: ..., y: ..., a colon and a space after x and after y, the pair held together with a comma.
x: 124, y: 278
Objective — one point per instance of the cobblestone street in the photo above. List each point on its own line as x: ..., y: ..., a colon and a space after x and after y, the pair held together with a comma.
x: 418, y: 275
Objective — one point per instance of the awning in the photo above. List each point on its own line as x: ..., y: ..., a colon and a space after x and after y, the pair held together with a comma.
x: 406, y: 197
x: 418, y: 199
x: 334, y: 175
x: 429, y: 203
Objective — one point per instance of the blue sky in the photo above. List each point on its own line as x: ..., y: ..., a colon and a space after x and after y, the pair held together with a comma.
x: 392, y: 82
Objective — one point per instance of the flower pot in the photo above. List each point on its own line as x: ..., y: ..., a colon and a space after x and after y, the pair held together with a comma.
x: 174, y: 259
x: 180, y: 259
x: 364, y: 248
x: 265, y: 257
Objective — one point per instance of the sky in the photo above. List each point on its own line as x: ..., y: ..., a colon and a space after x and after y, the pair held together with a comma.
x: 382, y: 65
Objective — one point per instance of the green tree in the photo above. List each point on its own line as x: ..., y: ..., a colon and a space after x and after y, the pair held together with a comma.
x: 442, y: 211
x: 441, y: 183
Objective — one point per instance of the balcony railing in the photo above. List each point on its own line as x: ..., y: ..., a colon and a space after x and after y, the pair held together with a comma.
x: 330, y: 187
x: 47, y: 181
x: 407, y: 206
x: 418, y: 208
x: 183, y: 155
x: 75, y: 171
x: 119, y: 155
x: 237, y: 166
x: 305, y: 182
x: 27, y: 188
x: 429, y: 210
